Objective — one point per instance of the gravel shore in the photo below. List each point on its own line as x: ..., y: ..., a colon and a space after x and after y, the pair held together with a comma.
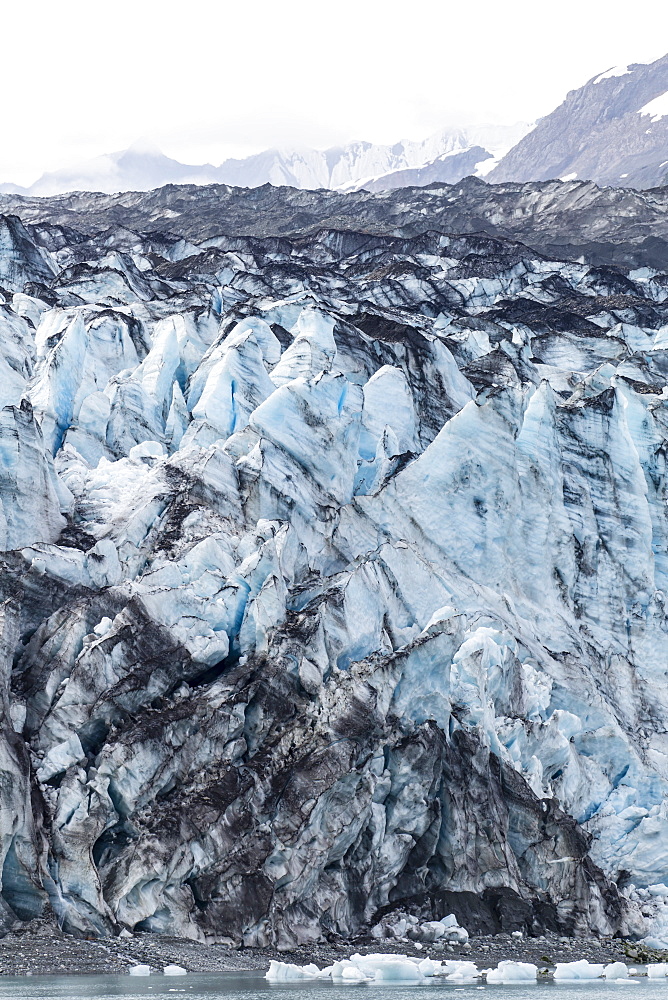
x: 43, y: 950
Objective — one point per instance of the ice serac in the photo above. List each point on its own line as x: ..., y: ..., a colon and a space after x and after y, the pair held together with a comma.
x: 21, y: 261
x: 31, y: 496
x: 334, y: 574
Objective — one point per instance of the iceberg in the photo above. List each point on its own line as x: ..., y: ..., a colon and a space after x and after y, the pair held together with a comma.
x: 459, y: 970
x: 285, y: 972
x: 512, y: 972
x: 396, y: 970
x: 579, y: 970
x: 616, y: 970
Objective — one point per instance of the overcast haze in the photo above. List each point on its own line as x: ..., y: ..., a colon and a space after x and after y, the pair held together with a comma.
x: 208, y: 80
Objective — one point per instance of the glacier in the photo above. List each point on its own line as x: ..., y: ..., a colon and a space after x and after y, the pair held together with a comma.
x: 334, y: 578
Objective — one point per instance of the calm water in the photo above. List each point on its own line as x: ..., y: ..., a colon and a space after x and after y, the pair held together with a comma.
x: 251, y: 986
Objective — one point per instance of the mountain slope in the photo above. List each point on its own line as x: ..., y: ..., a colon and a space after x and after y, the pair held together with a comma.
x: 613, y: 130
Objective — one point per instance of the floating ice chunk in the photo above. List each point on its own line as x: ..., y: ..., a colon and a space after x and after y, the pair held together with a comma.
x: 312, y: 969
x: 352, y: 974
x: 398, y: 970
x: 513, y: 972
x: 386, y: 968
x: 616, y: 970
x: 368, y: 964
x: 174, y: 970
x: 336, y: 970
x: 457, y: 971
x: 140, y: 970
x: 428, y: 967
x: 657, y: 970
x: 287, y: 972
x: 578, y: 970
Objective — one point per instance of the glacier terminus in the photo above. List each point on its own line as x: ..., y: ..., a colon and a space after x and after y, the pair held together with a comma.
x: 335, y: 580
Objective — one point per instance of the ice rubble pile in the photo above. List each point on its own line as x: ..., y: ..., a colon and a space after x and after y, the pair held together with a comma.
x: 334, y: 578
x: 652, y: 901
x: 406, y: 926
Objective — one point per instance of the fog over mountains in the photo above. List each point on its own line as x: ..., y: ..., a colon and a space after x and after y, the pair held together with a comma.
x: 447, y: 156
x: 613, y: 130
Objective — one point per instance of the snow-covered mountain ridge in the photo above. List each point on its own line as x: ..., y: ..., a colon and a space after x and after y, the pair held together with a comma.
x: 333, y: 569
x: 449, y: 154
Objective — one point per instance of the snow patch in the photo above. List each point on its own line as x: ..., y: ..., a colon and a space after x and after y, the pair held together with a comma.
x: 613, y: 71
x: 656, y: 109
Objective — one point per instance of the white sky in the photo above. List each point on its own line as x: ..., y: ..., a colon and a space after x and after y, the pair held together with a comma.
x: 207, y: 79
